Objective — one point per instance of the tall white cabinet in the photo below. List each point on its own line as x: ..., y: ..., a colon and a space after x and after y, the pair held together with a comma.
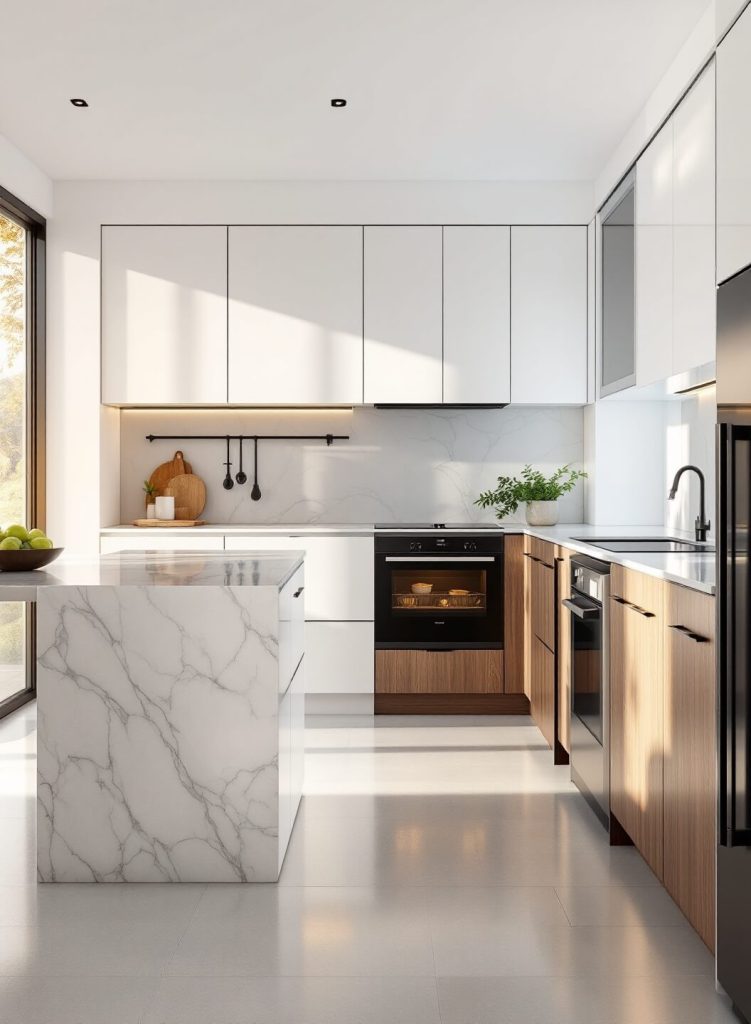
x: 403, y: 315
x: 164, y: 315
x: 476, y: 315
x: 295, y: 315
x: 549, y: 315
x: 734, y: 149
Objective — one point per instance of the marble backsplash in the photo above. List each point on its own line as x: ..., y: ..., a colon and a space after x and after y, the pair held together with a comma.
x: 399, y: 465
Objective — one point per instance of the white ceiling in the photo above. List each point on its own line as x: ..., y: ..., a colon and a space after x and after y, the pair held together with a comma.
x: 240, y: 89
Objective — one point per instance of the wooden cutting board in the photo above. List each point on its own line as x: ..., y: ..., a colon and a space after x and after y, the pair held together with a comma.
x: 189, y: 492
x: 168, y: 522
x: 162, y: 475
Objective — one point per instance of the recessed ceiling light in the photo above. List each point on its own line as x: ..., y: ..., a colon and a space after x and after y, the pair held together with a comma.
x: 339, y: 103
x: 78, y: 102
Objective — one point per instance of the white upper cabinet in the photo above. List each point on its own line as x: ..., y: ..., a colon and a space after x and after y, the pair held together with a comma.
x: 295, y: 316
x: 694, y: 293
x: 654, y: 260
x: 403, y: 315
x: 734, y: 149
x: 549, y: 315
x: 476, y: 315
x: 164, y: 315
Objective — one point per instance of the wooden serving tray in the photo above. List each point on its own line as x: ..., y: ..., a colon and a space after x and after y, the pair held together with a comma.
x: 167, y: 523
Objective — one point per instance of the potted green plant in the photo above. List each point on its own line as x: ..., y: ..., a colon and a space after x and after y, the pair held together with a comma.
x: 150, y: 497
x: 540, y: 493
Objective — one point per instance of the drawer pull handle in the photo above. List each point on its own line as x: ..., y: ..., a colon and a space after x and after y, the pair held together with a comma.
x: 298, y: 591
x: 689, y: 633
x: 619, y: 600
x: 641, y: 611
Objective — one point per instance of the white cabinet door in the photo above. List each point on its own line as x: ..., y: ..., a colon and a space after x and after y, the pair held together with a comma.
x: 161, y: 539
x: 164, y: 315
x: 295, y: 315
x: 654, y: 260
x: 339, y: 657
x: 476, y: 315
x: 694, y: 293
x: 403, y: 315
x: 549, y: 315
x: 339, y: 572
x: 734, y: 149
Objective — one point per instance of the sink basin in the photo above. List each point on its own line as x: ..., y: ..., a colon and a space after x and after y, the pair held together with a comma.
x: 656, y: 545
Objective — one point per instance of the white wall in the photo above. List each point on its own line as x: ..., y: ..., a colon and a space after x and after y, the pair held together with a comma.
x: 399, y: 465
x: 24, y: 179
x: 82, y: 439
x: 690, y: 440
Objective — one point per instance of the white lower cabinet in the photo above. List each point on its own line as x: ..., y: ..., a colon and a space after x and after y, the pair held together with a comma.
x: 284, y: 756
x: 339, y: 657
x: 164, y: 541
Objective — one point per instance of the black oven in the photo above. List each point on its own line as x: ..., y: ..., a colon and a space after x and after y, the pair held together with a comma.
x: 439, y: 590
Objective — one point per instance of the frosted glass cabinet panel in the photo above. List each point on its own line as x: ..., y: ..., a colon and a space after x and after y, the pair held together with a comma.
x: 654, y: 260
x: 295, y: 315
x: 476, y: 315
x: 694, y: 293
x: 617, y: 292
x: 164, y: 315
x: 549, y: 315
x: 403, y: 315
x: 734, y: 149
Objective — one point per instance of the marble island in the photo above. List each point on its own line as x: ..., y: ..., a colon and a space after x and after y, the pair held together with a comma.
x: 170, y: 694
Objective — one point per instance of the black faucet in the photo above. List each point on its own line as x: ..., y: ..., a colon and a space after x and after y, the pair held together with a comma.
x: 701, y: 525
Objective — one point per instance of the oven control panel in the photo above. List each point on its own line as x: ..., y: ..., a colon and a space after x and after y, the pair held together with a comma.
x: 489, y: 543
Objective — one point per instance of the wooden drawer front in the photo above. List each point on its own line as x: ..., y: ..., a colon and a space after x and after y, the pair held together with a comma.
x: 636, y: 718
x: 542, y: 550
x: 543, y: 603
x: 646, y: 593
x: 513, y: 613
x: 542, y: 703
x: 439, y: 672
x: 563, y: 647
x: 690, y: 757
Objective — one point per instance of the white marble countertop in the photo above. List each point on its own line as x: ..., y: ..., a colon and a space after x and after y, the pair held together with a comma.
x: 156, y: 569
x: 241, y: 529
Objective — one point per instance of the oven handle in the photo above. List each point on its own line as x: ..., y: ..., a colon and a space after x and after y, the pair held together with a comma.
x: 439, y: 558
x: 581, y: 611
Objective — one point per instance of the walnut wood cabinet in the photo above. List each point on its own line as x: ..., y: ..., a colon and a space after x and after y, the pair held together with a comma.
x: 637, y: 627
x: 690, y: 757
x: 540, y: 640
x: 563, y: 650
x: 513, y: 613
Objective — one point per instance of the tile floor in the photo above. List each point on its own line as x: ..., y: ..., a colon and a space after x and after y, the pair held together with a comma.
x: 442, y: 871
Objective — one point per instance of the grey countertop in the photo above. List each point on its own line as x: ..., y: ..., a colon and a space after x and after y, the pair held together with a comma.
x: 156, y: 569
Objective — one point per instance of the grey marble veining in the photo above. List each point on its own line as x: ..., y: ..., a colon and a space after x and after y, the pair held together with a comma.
x: 159, y: 734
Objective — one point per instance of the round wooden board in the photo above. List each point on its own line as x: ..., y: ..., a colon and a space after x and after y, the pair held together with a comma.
x: 162, y: 475
x: 189, y: 492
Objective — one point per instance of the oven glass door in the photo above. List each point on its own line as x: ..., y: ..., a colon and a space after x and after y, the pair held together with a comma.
x: 586, y: 664
x: 439, y: 599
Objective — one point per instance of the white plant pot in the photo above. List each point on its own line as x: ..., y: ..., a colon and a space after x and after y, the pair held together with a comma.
x: 542, y: 513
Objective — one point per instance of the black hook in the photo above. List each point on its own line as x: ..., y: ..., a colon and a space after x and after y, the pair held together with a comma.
x: 228, y: 483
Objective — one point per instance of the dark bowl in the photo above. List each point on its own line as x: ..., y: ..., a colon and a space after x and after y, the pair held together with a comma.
x: 26, y: 559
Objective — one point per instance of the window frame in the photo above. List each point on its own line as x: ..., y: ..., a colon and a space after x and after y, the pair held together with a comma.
x: 36, y: 491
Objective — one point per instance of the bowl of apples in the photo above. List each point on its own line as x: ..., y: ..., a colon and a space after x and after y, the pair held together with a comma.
x: 22, y: 550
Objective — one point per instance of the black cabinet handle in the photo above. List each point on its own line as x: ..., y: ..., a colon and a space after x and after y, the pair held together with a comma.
x: 298, y: 591
x: 533, y: 557
x: 685, y: 631
x: 640, y: 611
x: 619, y: 600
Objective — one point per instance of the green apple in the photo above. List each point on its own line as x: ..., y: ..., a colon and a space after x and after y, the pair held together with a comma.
x: 10, y: 544
x: 36, y: 532
x: 16, y: 530
x: 40, y: 542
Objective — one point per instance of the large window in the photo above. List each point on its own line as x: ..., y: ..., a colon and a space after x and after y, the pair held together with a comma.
x: 21, y: 422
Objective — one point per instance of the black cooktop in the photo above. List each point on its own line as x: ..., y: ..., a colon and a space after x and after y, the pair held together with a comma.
x: 434, y: 527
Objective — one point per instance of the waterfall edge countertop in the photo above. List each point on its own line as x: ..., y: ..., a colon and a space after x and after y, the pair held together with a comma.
x: 171, y: 710
x: 156, y: 569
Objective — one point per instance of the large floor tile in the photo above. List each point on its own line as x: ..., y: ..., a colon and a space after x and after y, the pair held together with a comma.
x: 294, y: 1001
x: 625, y: 905
x: 278, y: 930
x: 66, y: 1000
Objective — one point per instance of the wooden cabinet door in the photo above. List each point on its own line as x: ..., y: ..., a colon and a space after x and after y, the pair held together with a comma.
x: 543, y: 603
x: 295, y: 315
x: 403, y: 315
x: 513, y: 612
x: 549, y: 315
x: 164, y: 315
x: 690, y: 757
x: 654, y: 259
x: 636, y: 710
x: 563, y: 649
x: 476, y: 315
x: 734, y: 149
x: 542, y: 681
x: 694, y: 292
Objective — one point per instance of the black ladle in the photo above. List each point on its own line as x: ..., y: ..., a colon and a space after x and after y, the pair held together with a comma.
x: 256, y: 491
x: 228, y: 483
x: 241, y: 477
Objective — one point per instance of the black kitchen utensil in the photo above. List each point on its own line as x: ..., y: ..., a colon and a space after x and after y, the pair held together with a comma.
x: 228, y: 483
x: 256, y: 491
x: 241, y: 477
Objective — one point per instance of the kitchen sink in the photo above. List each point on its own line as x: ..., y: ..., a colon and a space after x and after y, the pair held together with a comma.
x: 656, y: 545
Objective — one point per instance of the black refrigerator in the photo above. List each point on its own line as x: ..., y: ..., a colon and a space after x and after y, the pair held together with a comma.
x: 734, y: 639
